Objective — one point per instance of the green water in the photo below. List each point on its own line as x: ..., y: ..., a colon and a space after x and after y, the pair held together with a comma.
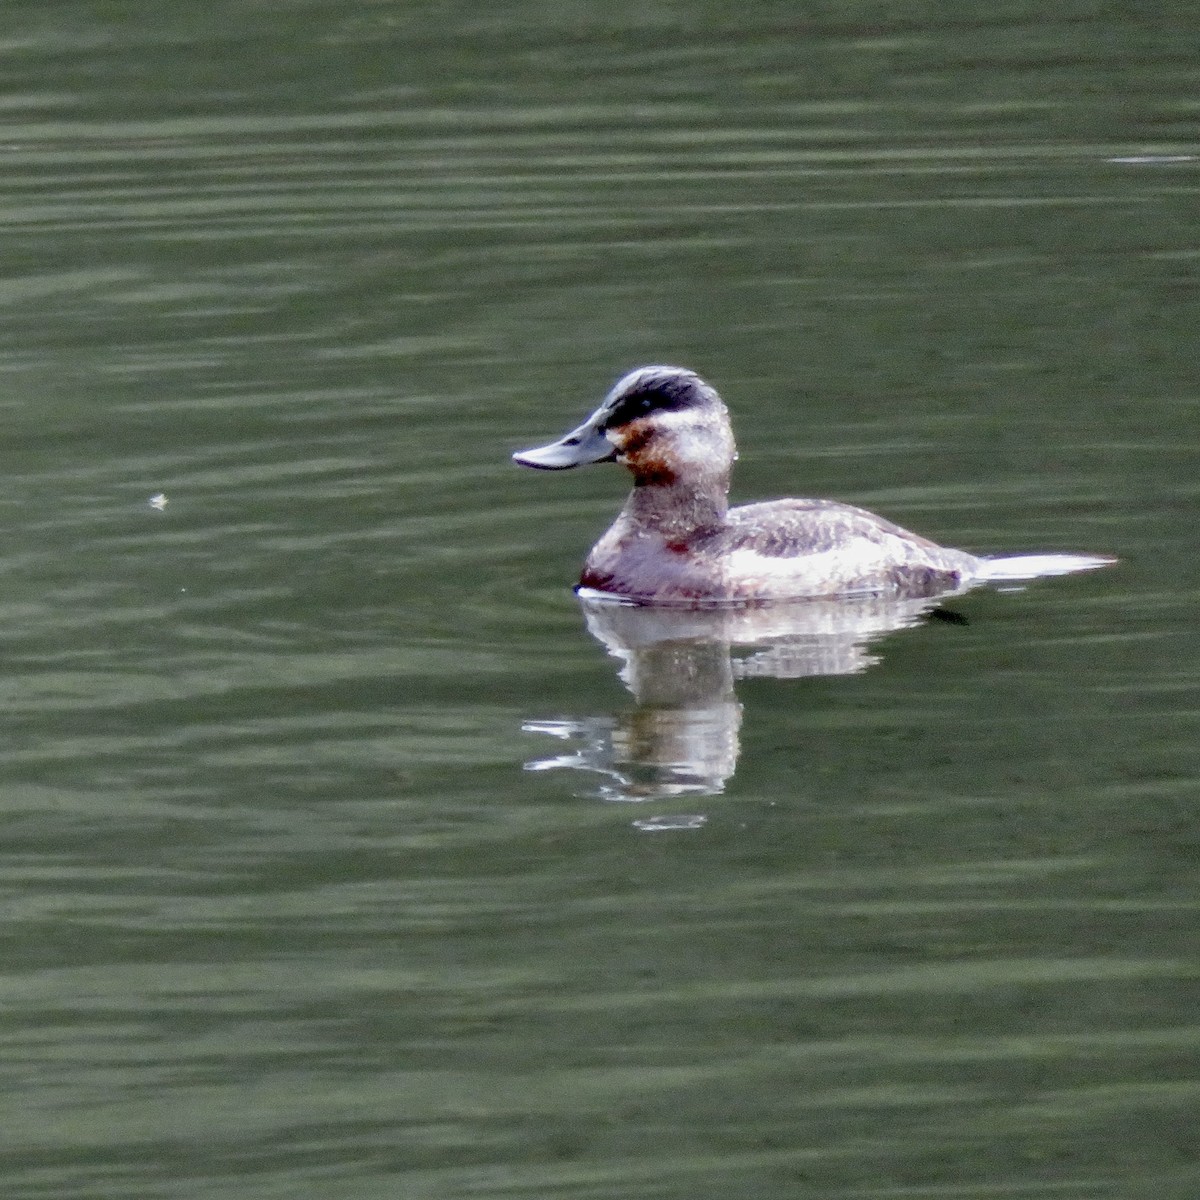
x: 286, y: 911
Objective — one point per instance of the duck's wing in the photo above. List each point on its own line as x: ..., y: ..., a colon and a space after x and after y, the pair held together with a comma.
x: 823, y: 548
x: 793, y: 528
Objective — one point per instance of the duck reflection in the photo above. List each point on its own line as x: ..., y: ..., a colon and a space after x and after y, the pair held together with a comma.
x: 681, y: 736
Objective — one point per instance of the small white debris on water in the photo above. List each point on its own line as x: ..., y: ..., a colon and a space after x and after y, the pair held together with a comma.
x: 159, y: 501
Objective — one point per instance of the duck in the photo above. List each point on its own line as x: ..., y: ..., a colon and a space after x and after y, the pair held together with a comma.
x: 677, y: 541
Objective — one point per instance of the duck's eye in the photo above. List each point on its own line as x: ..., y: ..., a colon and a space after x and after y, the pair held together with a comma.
x: 639, y: 406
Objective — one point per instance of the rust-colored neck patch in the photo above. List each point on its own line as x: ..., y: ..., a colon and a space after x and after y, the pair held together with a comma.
x: 650, y: 466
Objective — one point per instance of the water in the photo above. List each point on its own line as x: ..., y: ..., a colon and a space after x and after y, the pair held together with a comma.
x: 286, y: 914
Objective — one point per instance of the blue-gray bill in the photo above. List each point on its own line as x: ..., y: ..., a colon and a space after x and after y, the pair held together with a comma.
x: 581, y: 446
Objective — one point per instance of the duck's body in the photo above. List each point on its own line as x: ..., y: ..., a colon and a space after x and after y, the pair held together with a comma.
x: 676, y: 540
x: 777, y: 550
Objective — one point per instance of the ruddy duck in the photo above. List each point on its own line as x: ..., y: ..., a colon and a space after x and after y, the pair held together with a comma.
x: 677, y: 541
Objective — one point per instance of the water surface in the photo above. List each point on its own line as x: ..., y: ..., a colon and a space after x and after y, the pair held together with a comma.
x: 285, y: 912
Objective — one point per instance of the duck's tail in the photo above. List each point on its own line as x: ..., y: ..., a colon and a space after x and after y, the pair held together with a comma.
x: 1012, y: 568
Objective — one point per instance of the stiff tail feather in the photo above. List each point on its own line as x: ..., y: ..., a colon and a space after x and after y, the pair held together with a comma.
x: 1034, y: 566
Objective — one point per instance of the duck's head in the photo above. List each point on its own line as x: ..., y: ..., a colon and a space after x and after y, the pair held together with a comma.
x: 664, y: 423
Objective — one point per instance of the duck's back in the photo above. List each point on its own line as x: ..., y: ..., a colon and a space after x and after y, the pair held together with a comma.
x: 825, y: 548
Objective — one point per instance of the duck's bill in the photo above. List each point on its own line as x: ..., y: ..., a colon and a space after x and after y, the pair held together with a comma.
x: 581, y: 446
